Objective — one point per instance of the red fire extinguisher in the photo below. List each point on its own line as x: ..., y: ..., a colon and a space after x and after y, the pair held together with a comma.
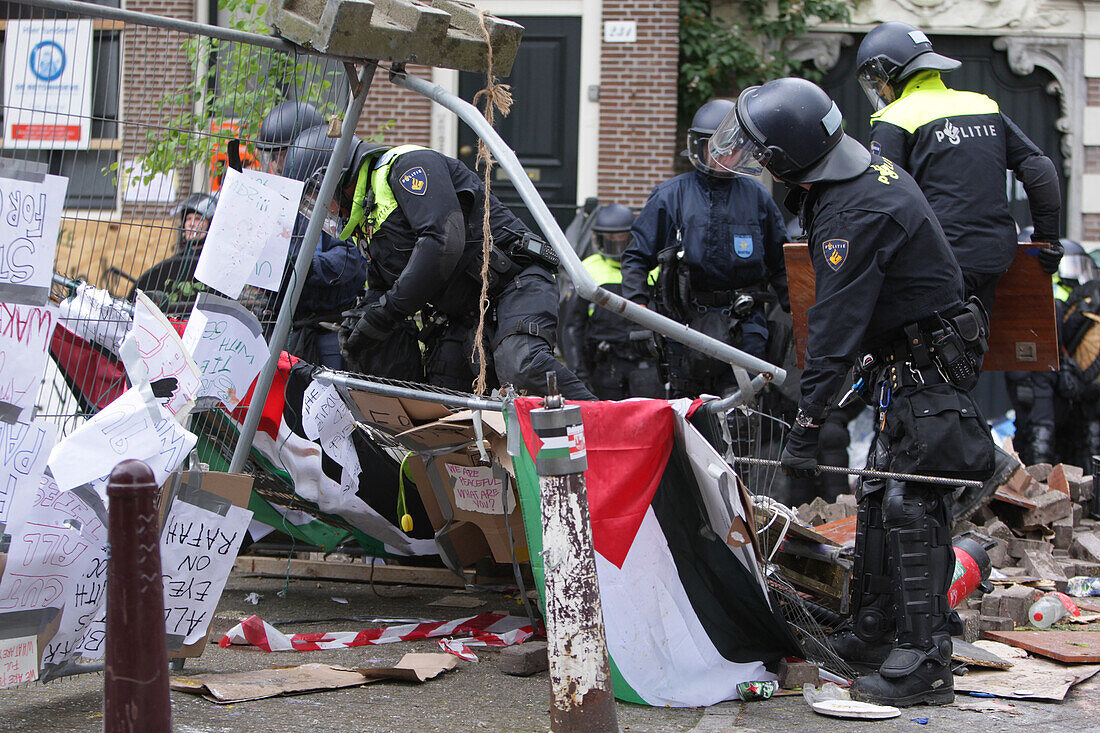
x: 971, y: 569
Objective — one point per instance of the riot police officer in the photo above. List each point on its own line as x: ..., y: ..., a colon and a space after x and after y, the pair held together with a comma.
x: 285, y: 122
x: 957, y: 145
x: 718, y: 238
x: 418, y: 215
x: 613, y: 356
x: 888, y: 287
x: 171, y: 282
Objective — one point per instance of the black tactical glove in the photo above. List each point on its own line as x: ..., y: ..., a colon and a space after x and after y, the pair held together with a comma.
x: 1051, y: 256
x: 376, y: 322
x: 799, y: 457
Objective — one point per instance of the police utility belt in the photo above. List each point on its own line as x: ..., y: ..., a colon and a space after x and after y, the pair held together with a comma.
x: 936, y: 350
x: 506, y: 261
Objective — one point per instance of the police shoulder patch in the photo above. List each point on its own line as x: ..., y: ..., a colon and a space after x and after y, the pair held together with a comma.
x: 742, y: 245
x: 415, y: 181
x: 835, y: 251
x: 876, y: 149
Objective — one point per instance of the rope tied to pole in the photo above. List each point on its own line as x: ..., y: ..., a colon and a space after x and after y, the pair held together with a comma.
x: 498, y: 97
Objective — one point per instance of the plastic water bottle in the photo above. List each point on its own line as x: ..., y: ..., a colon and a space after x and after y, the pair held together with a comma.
x: 1082, y: 586
x: 1050, y: 608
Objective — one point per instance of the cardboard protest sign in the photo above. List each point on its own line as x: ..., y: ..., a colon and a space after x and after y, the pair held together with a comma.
x: 25, y: 332
x: 476, y: 489
x: 58, y: 560
x: 18, y: 661
x: 198, y: 548
x: 130, y: 427
x: 228, y: 346
x: 160, y: 356
x: 268, y: 272
x: 249, y: 214
x: 23, y: 453
x: 30, y: 217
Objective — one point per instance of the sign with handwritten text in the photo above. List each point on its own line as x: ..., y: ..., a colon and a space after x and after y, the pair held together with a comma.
x: 58, y: 559
x: 129, y: 427
x: 18, y: 661
x: 95, y: 315
x: 198, y: 549
x: 478, y: 490
x: 248, y: 215
x: 25, y: 332
x: 23, y: 453
x: 161, y: 355
x: 228, y: 345
x: 268, y: 272
x: 30, y: 218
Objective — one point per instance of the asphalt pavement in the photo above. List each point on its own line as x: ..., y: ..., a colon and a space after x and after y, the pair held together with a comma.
x: 475, y: 696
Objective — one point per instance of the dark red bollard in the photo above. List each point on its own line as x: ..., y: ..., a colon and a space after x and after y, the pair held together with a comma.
x: 135, y: 688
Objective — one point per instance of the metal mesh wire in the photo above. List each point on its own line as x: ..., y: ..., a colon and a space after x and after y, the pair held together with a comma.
x: 163, y: 105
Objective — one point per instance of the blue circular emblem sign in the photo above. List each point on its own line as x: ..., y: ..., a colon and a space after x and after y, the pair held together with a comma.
x: 47, y: 60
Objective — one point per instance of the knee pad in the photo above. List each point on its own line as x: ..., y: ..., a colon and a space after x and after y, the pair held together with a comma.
x: 902, y: 506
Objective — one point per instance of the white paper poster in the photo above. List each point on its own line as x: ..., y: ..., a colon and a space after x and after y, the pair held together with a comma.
x: 478, y: 490
x: 30, y: 219
x: 198, y: 549
x: 23, y: 453
x: 95, y: 316
x: 227, y: 344
x: 18, y: 661
x: 161, y: 357
x: 161, y: 187
x: 327, y: 420
x: 268, y: 272
x: 248, y: 216
x: 129, y: 427
x: 48, y: 84
x: 25, y: 332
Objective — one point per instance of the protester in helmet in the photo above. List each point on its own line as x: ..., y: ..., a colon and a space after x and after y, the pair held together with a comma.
x: 722, y: 240
x: 419, y: 216
x: 279, y: 129
x: 171, y: 282
x: 885, y: 283
x: 957, y: 145
x: 614, y: 357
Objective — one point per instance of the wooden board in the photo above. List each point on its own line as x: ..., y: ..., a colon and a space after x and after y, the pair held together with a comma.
x: 359, y: 572
x: 1024, y: 336
x: 1074, y: 647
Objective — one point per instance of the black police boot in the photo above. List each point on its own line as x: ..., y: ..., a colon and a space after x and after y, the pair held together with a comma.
x: 866, y: 638
x: 970, y: 500
x: 918, y: 670
x: 1040, y: 445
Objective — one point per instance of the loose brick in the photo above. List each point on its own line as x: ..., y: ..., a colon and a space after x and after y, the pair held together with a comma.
x: 1043, y: 565
x: 1019, y: 481
x: 1049, y: 507
x: 996, y: 623
x: 1015, y: 602
x: 991, y: 602
x: 1086, y: 547
x: 998, y: 554
x: 998, y: 529
x: 1040, y: 471
x: 1081, y: 491
x: 798, y: 674
x: 524, y: 660
x: 848, y: 501
x: 1058, y: 480
x: 972, y: 630
x: 1017, y: 546
x: 1063, y: 533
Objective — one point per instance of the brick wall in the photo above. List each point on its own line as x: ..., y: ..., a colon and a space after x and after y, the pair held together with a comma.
x: 638, y: 101
x: 410, y: 112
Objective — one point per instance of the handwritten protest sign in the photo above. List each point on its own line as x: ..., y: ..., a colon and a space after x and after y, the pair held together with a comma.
x: 268, y: 272
x: 478, y: 490
x: 30, y: 218
x: 160, y: 355
x: 327, y: 420
x: 228, y: 346
x: 95, y: 315
x: 129, y: 427
x: 198, y: 548
x: 247, y: 217
x: 18, y: 661
x: 23, y: 453
x: 57, y: 559
x: 25, y: 332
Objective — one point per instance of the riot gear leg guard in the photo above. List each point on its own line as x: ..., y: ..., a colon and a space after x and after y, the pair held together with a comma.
x: 918, y: 669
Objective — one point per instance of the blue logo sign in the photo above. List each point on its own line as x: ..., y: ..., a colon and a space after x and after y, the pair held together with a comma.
x: 47, y: 60
x: 742, y: 245
x: 835, y: 251
x: 415, y: 181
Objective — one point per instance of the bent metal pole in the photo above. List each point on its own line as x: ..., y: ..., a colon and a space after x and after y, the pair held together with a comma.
x: 580, y: 674
x: 135, y: 680
x: 301, y: 269
x: 582, y: 281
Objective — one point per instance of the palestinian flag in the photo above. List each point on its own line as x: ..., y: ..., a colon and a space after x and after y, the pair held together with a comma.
x: 685, y: 606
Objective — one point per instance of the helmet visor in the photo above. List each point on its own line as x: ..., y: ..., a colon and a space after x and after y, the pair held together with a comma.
x: 1079, y: 267
x: 333, y: 224
x: 733, y: 149
x: 613, y: 244
x: 699, y: 154
x: 874, y: 80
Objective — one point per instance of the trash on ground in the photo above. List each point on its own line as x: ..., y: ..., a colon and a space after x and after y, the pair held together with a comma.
x: 231, y: 687
x: 975, y: 656
x: 462, y: 601
x: 253, y: 598
x: 827, y: 691
x: 987, y: 706
x: 413, y: 667
x: 855, y: 709
x: 761, y: 690
x: 1032, y: 679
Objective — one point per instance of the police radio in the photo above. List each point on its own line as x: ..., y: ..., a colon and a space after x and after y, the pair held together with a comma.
x: 951, y: 356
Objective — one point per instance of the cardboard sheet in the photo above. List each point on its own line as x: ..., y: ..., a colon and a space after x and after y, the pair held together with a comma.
x: 975, y: 656
x: 1029, y: 679
x: 413, y: 667
x: 256, y: 685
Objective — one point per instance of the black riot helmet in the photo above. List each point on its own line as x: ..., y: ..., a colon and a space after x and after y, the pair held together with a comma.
x: 1076, y: 266
x: 890, y: 54
x: 285, y: 122
x: 703, y: 124
x: 197, y: 203
x: 791, y: 127
x: 195, y: 213
x: 309, y: 152
x: 612, y: 229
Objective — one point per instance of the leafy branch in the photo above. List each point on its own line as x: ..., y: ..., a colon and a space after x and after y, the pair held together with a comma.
x: 724, y: 55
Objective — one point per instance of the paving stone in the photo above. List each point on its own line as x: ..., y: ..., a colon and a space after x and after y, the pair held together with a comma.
x: 1015, y: 602
x: 1040, y: 471
x: 797, y: 674
x: 1063, y: 533
x: 998, y: 529
x: 523, y: 660
x: 1058, y: 480
x: 991, y: 602
x: 972, y: 628
x: 1017, y: 546
x: 996, y: 623
x: 1086, y: 546
x: 1043, y: 565
x: 1049, y: 507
